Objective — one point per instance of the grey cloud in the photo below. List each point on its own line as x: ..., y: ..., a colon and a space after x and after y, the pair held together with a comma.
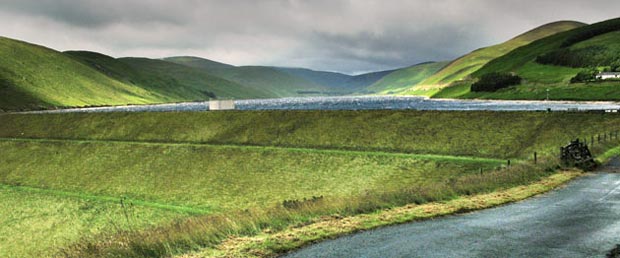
x: 341, y: 35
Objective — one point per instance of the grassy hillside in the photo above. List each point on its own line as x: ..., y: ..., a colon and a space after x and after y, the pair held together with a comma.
x: 523, y: 56
x: 405, y: 78
x: 189, y: 83
x: 176, y: 82
x: 462, y: 67
x: 273, y: 82
x: 35, y: 76
x: 537, y: 78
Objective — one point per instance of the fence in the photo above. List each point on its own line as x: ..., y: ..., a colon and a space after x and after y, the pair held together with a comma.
x: 593, y: 140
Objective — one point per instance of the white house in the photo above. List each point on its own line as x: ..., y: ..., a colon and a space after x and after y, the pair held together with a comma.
x: 221, y: 104
x: 608, y: 75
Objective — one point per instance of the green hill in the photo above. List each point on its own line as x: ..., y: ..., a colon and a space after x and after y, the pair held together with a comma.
x: 538, y: 78
x: 462, y: 67
x: 191, y: 79
x: 176, y: 82
x: 273, y: 82
x: 405, y: 78
x: 34, y: 77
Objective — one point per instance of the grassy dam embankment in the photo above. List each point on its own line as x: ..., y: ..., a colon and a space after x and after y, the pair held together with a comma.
x: 160, y: 184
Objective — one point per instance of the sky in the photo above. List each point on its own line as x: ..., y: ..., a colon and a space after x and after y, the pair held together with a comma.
x: 349, y: 36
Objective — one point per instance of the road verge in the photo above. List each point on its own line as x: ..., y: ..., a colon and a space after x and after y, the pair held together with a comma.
x: 271, y: 244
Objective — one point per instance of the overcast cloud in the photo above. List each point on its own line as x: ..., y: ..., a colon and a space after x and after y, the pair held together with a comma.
x: 347, y: 36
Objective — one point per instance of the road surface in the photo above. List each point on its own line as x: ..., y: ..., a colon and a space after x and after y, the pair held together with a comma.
x: 580, y: 220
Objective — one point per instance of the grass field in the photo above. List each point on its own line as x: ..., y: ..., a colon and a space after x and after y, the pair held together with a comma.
x: 192, y: 179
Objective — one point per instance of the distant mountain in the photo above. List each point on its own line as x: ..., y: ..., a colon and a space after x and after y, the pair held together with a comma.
x: 404, y: 79
x: 462, y: 67
x: 339, y: 82
x: 197, y: 62
x: 274, y: 82
x: 33, y: 77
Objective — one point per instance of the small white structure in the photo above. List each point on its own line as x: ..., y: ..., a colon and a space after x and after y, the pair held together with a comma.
x: 221, y: 104
x: 608, y: 75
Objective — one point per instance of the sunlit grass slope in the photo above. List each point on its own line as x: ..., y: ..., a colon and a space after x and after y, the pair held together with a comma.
x: 403, y: 79
x: 35, y: 76
x: 462, y: 67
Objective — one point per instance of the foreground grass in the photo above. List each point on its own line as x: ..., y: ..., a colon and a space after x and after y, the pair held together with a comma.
x: 208, y: 231
x: 270, y: 244
x: 37, y: 224
x: 84, y: 181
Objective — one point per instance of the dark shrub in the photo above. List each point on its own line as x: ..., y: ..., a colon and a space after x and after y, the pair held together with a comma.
x: 494, y: 81
x: 585, y: 76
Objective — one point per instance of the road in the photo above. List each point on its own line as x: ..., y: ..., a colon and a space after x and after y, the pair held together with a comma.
x: 580, y: 220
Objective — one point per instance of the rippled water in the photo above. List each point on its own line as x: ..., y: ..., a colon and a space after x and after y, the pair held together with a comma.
x: 364, y: 103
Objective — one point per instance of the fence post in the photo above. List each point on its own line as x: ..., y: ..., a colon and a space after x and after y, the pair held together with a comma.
x: 480, y: 171
x: 598, y: 136
x: 535, y: 157
x: 508, y: 163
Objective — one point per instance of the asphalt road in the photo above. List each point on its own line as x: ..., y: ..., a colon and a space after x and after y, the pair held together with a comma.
x: 580, y: 220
